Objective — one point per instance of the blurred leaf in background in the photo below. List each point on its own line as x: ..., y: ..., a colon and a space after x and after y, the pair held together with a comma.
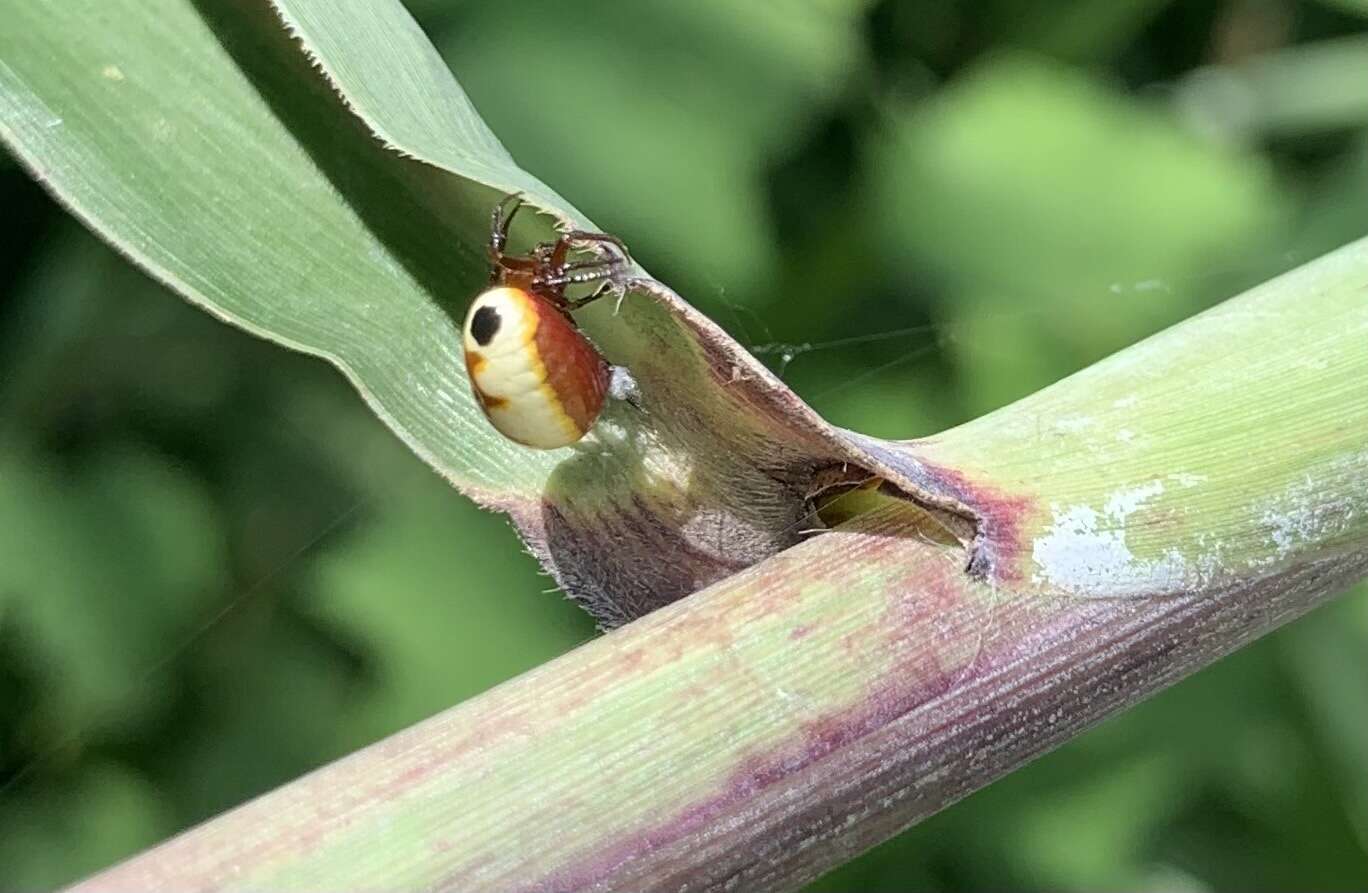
x: 218, y: 571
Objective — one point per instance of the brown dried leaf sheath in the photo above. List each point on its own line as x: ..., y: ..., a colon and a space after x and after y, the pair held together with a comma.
x: 707, y: 470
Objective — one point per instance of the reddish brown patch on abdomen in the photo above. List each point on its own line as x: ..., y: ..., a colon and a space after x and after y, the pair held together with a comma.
x: 575, y: 371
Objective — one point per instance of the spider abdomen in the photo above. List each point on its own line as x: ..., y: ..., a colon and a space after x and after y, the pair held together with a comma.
x: 537, y: 378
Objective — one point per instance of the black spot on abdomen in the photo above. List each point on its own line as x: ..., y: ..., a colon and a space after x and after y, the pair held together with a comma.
x: 485, y: 325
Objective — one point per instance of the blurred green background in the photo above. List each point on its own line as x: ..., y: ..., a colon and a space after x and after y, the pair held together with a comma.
x: 217, y: 571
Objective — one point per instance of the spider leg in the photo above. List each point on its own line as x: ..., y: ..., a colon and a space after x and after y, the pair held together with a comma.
x: 503, y: 265
x: 581, y: 274
x: 578, y: 272
x: 588, y: 299
x: 574, y: 274
x: 562, y: 247
x: 500, y: 220
x: 599, y: 239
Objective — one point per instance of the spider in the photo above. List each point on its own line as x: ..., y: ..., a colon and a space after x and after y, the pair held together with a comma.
x: 534, y: 373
